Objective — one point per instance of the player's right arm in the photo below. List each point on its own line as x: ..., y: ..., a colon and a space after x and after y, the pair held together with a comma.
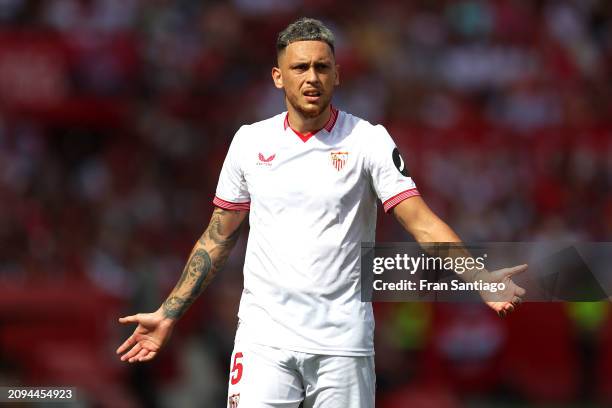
x: 207, y: 257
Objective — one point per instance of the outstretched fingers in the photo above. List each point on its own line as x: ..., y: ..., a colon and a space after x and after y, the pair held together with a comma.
x: 140, y: 356
x: 499, y: 309
x: 509, y: 307
x: 130, y: 319
x: 131, y: 341
x: 133, y: 352
x: 149, y: 356
x: 508, y: 272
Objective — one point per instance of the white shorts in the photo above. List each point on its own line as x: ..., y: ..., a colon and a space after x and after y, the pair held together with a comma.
x: 270, y: 377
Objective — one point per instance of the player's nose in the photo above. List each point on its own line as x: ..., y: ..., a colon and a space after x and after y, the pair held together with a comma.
x: 312, y: 75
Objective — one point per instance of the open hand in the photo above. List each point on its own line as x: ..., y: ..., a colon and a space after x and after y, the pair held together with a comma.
x: 152, y: 332
x: 507, y: 300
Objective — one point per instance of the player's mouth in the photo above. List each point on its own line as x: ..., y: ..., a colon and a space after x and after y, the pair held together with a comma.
x: 312, y: 96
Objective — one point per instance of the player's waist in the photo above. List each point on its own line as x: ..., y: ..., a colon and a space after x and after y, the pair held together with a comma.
x: 328, y: 336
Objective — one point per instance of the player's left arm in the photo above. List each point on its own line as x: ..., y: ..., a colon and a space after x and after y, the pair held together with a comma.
x: 426, y: 227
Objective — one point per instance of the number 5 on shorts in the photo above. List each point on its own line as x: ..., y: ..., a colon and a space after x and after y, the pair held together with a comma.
x: 236, y: 373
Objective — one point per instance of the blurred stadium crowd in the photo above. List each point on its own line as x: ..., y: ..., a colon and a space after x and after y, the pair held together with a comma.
x: 115, y: 117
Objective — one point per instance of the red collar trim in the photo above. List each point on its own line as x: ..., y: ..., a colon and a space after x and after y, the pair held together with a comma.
x: 329, y: 125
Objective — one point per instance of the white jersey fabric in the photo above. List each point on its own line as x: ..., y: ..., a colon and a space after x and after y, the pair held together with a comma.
x: 312, y: 201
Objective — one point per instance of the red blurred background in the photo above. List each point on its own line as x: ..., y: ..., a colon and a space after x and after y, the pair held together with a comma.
x: 115, y: 117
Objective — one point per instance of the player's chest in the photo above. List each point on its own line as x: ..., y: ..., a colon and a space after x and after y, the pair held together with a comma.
x: 294, y: 173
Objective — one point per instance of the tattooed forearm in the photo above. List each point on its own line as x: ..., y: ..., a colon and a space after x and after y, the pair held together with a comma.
x: 207, y: 258
x: 190, y: 285
x: 174, y: 307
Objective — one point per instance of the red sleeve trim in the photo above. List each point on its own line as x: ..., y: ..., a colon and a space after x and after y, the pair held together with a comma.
x: 398, y: 198
x: 227, y: 205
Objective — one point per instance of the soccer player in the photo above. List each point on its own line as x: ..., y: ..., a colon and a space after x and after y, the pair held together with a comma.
x: 308, y: 179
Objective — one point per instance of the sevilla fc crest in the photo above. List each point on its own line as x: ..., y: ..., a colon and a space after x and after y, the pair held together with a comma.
x: 339, y: 159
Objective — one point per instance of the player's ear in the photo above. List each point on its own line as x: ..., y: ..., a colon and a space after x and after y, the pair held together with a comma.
x: 337, y: 81
x: 277, y: 77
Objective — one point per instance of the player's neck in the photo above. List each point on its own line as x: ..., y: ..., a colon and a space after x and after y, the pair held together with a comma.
x: 304, y: 124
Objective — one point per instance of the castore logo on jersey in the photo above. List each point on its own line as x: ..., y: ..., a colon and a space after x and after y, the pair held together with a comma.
x: 265, y: 161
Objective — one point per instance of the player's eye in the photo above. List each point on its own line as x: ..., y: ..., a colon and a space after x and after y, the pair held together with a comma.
x: 300, y: 67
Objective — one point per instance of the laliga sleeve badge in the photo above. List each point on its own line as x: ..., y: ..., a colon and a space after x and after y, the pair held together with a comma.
x: 400, y: 165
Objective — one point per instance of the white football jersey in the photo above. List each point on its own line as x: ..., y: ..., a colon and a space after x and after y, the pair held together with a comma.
x: 312, y: 201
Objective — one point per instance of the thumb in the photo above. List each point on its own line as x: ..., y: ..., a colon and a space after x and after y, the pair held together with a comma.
x: 130, y: 319
x: 514, y: 270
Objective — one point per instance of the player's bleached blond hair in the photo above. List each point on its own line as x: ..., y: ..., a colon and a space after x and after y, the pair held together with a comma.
x: 304, y: 29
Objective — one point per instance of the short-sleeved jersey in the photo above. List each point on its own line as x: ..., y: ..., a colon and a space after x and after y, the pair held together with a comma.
x: 312, y: 201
